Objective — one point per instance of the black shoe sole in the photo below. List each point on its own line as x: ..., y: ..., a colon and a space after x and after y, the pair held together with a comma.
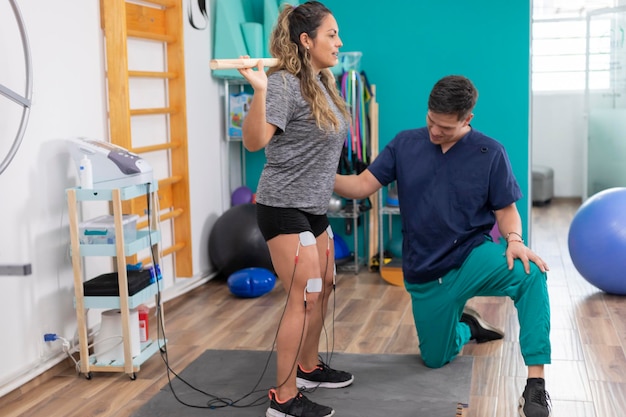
x: 487, y: 332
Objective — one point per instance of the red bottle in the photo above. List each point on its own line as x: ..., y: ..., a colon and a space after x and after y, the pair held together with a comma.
x: 143, y: 322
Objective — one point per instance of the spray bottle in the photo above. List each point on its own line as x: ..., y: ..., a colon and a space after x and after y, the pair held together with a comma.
x: 85, y: 173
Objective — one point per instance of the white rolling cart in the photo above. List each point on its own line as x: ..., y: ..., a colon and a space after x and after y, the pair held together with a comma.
x: 120, y: 249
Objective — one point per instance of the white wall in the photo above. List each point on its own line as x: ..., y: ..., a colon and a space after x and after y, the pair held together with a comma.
x: 559, y: 131
x: 70, y: 100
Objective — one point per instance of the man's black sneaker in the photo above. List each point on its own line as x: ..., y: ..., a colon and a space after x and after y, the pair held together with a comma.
x: 323, y: 376
x: 299, y: 406
x: 481, y: 330
x: 535, y: 401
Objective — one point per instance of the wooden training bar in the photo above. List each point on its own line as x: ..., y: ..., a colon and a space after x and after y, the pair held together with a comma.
x: 218, y: 64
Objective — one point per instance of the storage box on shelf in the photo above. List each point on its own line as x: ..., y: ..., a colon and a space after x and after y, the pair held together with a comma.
x: 102, y: 229
x: 120, y: 242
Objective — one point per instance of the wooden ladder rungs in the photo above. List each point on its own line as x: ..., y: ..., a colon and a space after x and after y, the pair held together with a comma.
x: 162, y: 217
x: 150, y: 36
x: 161, y: 110
x: 174, y: 248
x: 157, y: 23
x: 154, y: 148
x: 165, y: 3
x: 172, y: 214
x: 169, y: 181
x: 152, y: 74
x: 167, y: 251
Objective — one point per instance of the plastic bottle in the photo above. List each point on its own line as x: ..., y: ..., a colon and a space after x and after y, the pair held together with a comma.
x: 86, y: 173
x: 143, y: 322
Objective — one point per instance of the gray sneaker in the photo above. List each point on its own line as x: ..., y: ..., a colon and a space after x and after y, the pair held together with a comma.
x: 323, y: 376
x: 299, y: 406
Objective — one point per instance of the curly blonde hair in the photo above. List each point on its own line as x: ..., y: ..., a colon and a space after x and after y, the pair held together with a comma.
x: 294, y: 58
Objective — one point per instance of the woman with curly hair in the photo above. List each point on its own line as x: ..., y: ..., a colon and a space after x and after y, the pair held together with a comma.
x: 298, y: 116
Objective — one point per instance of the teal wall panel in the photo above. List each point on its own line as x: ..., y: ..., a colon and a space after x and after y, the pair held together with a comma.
x: 242, y: 27
x: 408, y: 45
x: 228, y: 37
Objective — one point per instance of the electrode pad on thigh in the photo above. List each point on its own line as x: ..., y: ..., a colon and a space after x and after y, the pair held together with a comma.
x: 314, y: 285
x: 307, y: 238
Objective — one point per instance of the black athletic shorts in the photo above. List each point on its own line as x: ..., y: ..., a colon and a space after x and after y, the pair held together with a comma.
x: 274, y: 221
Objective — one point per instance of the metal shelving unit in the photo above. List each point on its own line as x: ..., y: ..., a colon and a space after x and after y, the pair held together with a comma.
x: 354, y: 215
x: 391, y: 272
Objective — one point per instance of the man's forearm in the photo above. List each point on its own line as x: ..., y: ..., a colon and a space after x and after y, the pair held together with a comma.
x: 356, y: 186
x: 345, y: 186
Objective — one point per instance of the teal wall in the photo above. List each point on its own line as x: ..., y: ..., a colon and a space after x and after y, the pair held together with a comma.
x: 408, y: 45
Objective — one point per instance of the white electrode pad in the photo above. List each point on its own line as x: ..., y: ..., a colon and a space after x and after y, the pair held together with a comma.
x: 307, y: 238
x: 314, y: 285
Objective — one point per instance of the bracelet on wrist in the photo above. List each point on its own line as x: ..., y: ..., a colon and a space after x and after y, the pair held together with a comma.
x: 508, y: 235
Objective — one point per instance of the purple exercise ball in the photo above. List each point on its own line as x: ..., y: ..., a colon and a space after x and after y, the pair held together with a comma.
x: 241, y: 195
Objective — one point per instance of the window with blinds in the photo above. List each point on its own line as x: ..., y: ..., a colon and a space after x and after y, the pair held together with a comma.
x: 559, y: 45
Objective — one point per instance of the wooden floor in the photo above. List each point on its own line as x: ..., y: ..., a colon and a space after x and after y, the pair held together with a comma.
x: 587, y: 377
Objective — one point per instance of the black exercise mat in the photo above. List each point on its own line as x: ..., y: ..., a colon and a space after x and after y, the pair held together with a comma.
x: 385, y: 385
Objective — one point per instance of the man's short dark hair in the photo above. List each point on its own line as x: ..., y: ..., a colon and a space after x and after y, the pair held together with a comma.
x: 453, y: 94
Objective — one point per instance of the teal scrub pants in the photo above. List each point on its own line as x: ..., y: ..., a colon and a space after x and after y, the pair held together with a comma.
x: 438, y: 305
